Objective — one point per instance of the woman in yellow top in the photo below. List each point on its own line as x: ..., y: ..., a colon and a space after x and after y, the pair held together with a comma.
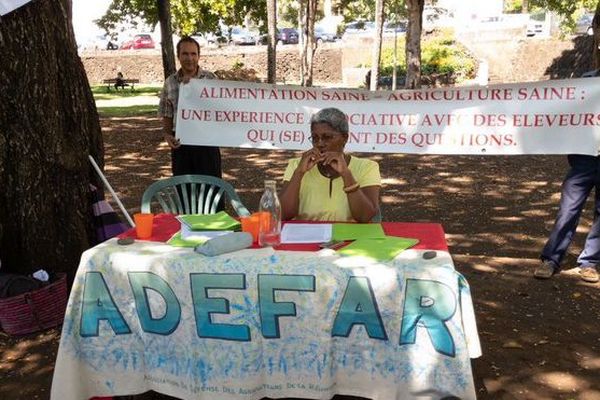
x: 326, y: 184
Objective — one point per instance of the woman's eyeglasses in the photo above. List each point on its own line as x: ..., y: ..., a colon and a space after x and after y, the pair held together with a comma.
x: 322, y: 138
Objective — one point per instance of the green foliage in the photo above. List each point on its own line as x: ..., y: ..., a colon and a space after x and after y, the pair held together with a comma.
x: 100, y: 92
x: 569, y: 10
x: 439, y: 55
x: 444, y: 55
x: 187, y: 16
x: 513, y: 6
x: 365, y: 10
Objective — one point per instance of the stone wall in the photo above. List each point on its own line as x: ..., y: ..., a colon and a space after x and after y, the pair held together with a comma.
x: 147, y: 64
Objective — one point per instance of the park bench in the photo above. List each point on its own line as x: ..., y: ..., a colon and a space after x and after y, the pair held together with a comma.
x: 110, y: 83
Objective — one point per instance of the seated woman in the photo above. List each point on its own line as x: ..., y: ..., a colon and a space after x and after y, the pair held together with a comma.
x: 326, y: 184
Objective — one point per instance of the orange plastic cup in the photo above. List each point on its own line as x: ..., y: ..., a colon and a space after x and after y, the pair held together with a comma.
x: 251, y: 225
x: 143, y: 225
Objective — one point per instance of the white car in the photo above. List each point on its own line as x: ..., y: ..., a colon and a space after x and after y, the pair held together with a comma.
x: 205, y: 39
x: 101, y: 42
x: 241, y: 36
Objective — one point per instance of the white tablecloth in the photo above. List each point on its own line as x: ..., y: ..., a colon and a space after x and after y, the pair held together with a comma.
x: 259, y: 323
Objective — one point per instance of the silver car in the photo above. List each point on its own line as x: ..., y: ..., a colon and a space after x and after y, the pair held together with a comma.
x: 242, y: 36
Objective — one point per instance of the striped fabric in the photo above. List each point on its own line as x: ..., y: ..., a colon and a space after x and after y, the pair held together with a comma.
x: 107, y: 221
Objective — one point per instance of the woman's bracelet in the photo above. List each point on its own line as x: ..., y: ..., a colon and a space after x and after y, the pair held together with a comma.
x: 352, y: 188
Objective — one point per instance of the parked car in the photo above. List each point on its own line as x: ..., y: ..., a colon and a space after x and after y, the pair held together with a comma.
x: 205, y: 39
x: 287, y: 36
x: 358, y: 28
x: 242, y: 36
x: 534, y: 27
x: 101, y: 42
x: 536, y: 24
x: 583, y: 26
x: 322, y: 36
x: 139, y: 41
x: 394, y: 28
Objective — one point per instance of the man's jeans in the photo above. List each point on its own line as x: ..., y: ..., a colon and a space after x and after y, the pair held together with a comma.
x: 583, y: 176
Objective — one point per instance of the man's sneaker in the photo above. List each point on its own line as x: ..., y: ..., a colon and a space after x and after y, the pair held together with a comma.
x: 589, y: 274
x: 545, y: 270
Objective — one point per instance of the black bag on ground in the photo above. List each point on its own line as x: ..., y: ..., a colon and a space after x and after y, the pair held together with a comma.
x: 15, y: 284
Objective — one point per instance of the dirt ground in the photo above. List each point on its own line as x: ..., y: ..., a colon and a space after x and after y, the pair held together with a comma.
x: 540, y: 339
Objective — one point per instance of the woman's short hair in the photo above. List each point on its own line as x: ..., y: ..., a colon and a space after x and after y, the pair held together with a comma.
x: 334, y: 117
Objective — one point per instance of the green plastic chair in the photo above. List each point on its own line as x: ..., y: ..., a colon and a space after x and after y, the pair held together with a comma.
x: 200, y: 194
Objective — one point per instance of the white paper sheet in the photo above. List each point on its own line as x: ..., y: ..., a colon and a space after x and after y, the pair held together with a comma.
x: 306, y: 233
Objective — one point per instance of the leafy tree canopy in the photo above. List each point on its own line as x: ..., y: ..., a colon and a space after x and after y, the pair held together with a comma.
x: 365, y: 10
x: 188, y: 16
x: 569, y: 10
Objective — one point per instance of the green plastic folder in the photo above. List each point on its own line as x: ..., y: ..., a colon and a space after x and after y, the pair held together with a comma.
x: 356, y: 231
x: 220, y: 221
x: 382, y: 249
x: 177, y: 241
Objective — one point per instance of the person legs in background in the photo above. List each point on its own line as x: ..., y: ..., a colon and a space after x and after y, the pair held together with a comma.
x: 590, y: 256
x: 205, y: 160
x: 197, y: 160
x: 583, y: 176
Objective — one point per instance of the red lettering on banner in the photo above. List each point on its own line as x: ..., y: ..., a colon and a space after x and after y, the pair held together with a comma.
x: 344, y: 96
x: 359, y: 137
x: 260, y: 117
x: 547, y: 93
x: 195, y: 115
x: 489, y: 120
x: 291, y: 136
x: 553, y: 120
x: 391, y: 138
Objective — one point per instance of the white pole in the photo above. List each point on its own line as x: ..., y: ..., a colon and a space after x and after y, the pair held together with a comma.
x: 112, y: 192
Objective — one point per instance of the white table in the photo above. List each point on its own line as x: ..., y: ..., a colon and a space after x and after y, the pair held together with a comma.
x: 259, y: 323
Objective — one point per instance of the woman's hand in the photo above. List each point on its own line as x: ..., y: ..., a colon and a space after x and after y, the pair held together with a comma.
x: 335, y: 160
x: 309, y: 159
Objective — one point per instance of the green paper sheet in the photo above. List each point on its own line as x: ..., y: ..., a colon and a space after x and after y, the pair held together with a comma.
x: 177, y: 241
x: 382, y: 249
x: 220, y: 221
x: 343, y: 232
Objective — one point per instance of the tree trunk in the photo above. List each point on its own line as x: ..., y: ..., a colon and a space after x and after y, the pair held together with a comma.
x: 413, y: 43
x: 48, y: 126
x: 525, y: 7
x: 596, y: 29
x: 376, y: 55
x: 309, y: 45
x: 166, y: 36
x: 301, y: 26
x: 272, y: 41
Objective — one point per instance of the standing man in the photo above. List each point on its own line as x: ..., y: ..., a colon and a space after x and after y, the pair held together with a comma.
x: 583, y: 176
x: 186, y: 159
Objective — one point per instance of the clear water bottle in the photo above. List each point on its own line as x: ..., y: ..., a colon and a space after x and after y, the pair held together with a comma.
x: 269, y: 233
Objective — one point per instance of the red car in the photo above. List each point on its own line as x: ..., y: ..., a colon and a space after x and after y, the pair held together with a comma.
x: 139, y: 41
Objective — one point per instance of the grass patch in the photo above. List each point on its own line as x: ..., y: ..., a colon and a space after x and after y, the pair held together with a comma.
x: 130, y: 111
x: 101, y: 92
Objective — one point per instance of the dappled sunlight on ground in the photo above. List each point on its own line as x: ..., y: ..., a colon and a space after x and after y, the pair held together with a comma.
x: 540, y: 338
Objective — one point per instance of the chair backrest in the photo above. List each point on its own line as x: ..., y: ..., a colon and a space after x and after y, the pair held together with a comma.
x: 191, y: 194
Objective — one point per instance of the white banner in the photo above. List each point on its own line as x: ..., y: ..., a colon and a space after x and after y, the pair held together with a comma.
x: 549, y: 117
